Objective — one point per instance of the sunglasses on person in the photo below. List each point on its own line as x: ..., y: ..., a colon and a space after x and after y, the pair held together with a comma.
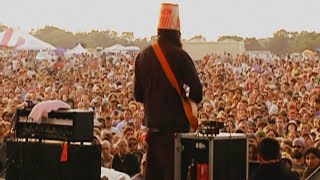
x: 299, y: 147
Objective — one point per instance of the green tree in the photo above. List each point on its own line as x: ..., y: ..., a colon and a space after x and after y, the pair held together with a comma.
x: 93, y: 39
x: 198, y: 37
x: 3, y: 27
x: 252, y: 44
x: 127, y: 36
x: 235, y: 38
x: 279, y: 44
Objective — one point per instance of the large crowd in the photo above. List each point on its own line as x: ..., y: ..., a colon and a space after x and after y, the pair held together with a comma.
x: 279, y: 98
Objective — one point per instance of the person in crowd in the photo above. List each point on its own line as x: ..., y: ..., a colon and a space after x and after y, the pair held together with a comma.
x: 317, y: 141
x: 124, y: 161
x: 312, y: 157
x: 271, y: 167
x: 107, y: 157
x: 252, y: 152
x: 127, y: 132
x: 164, y: 113
x: 308, y: 140
x: 286, y: 146
x: 280, y: 121
x: 109, y: 125
x: 287, y: 161
x: 127, y: 121
x: 134, y: 147
x: 299, y: 163
x: 142, y: 174
x: 138, y: 121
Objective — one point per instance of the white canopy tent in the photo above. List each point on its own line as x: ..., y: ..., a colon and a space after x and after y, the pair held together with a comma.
x: 35, y: 44
x: 115, y: 48
x: 44, y: 55
x: 133, y: 48
x: 76, y: 50
x: 22, y: 40
x: 120, y: 48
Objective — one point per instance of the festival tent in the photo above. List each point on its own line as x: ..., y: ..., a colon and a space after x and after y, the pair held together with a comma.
x: 35, y: 44
x: 132, y: 48
x: 22, y: 40
x: 76, y: 50
x: 115, y: 48
x: 44, y: 55
x: 119, y: 48
x: 308, y: 53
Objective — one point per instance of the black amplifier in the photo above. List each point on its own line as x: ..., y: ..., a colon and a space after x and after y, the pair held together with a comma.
x: 66, y: 125
x: 39, y: 161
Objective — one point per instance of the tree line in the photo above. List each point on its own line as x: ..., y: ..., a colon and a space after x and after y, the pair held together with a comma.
x: 281, y: 43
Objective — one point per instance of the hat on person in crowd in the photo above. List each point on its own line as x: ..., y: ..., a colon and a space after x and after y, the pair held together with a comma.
x: 95, y: 88
x: 251, y: 123
x: 96, y: 139
x: 169, y: 17
x: 287, y: 143
x: 17, y: 90
x: 114, y: 131
x: 273, y: 86
x: 317, y: 138
x: 273, y: 109
x: 307, y: 135
x: 221, y: 116
x: 314, y: 132
x: 94, y: 101
x: 304, y: 110
x: 204, y: 115
x: 112, y: 96
x: 292, y: 122
x: 298, y: 142
x: 96, y: 123
x: 260, y: 134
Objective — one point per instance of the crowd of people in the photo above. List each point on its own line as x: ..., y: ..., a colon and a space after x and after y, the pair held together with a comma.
x: 277, y: 99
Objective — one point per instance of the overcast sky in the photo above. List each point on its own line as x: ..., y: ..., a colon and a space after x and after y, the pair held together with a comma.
x: 210, y: 18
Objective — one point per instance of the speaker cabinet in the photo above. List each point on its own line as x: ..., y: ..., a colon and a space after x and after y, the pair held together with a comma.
x: 39, y: 161
x: 198, y: 156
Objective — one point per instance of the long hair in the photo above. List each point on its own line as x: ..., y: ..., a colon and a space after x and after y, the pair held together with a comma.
x: 172, y: 36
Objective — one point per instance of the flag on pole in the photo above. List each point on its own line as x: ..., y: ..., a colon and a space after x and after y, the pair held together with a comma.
x: 6, y: 37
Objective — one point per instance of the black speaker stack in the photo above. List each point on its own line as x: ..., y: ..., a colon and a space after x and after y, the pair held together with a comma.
x: 59, y: 148
x: 39, y: 161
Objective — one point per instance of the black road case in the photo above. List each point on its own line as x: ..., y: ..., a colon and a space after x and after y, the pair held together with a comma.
x: 220, y: 157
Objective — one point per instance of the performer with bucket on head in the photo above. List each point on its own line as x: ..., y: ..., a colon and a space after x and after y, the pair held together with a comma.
x: 166, y: 81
